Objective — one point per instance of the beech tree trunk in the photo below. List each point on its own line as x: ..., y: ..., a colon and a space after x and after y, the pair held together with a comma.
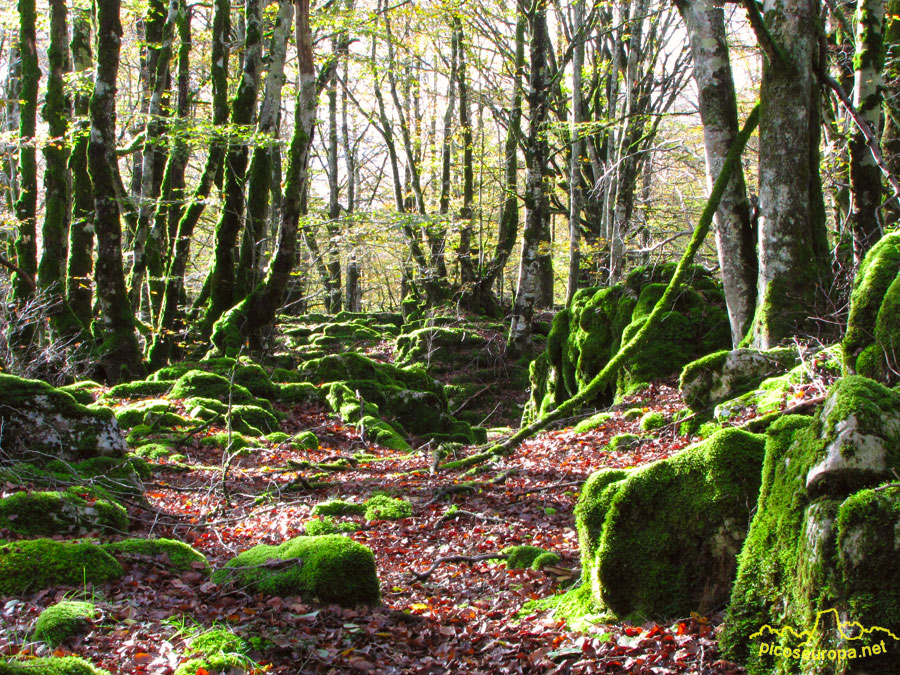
x: 735, y: 243
x: 575, y: 158
x: 119, y: 354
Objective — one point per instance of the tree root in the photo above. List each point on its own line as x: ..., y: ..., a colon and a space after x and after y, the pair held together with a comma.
x: 421, y: 576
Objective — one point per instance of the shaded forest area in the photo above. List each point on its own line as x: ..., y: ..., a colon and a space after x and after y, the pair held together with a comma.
x: 420, y: 337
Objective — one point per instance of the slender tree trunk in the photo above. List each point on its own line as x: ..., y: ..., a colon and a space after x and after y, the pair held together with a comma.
x: 56, y: 113
x: 250, y: 268
x: 180, y: 248
x: 12, y: 89
x: 466, y: 214
x: 535, y: 243
x: 736, y: 247
x: 26, y: 204
x: 865, y: 176
x: 791, y: 232
x: 221, y: 277
x: 354, y: 290
x: 438, y: 231
x: 334, y: 300
x: 575, y: 159
x: 890, y: 138
x: 80, y: 263
x: 257, y: 312
x: 120, y: 356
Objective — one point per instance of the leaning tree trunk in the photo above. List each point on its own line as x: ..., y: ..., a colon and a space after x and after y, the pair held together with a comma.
x: 221, y: 279
x: 56, y: 112
x: 119, y: 355
x: 80, y: 263
x: 792, y: 241
x: 865, y: 176
x: 535, y: 247
x: 705, y: 23
x: 181, y: 245
x: 26, y: 204
x: 258, y: 310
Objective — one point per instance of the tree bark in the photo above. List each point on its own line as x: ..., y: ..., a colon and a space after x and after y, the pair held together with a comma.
x: 257, y: 311
x: 865, y: 176
x: 535, y: 240
x: 466, y: 213
x: 26, y: 204
x: 575, y: 158
x: 736, y: 247
x: 119, y: 354
x: 792, y: 241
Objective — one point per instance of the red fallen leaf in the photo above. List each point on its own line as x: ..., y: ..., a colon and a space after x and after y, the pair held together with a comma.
x: 202, y: 671
x: 142, y: 657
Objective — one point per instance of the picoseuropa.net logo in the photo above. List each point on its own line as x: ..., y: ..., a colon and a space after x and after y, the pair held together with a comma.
x: 880, y: 640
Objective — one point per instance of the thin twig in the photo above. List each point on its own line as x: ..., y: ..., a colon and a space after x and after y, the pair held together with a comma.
x: 421, y: 576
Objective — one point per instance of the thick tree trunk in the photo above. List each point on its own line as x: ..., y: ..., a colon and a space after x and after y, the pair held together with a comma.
x: 250, y: 268
x: 865, y: 176
x: 736, y: 247
x: 181, y: 244
x: 258, y: 310
x: 56, y: 113
x: 535, y: 242
x: 80, y: 263
x: 26, y: 204
x: 119, y: 354
x: 791, y: 233
x: 221, y: 277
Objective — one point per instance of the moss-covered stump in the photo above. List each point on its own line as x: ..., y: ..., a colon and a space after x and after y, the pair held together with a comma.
x: 33, y: 565
x: 872, y: 338
x: 823, y: 544
x: 173, y: 554
x: 41, y: 422
x: 67, y: 665
x: 73, y: 511
x: 661, y: 541
x: 586, y: 335
x: 723, y: 375
x: 329, y: 568
x: 64, y: 620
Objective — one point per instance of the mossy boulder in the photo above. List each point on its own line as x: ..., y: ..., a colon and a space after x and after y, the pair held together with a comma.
x: 173, y: 554
x: 822, y: 546
x: 41, y: 422
x: 595, y: 421
x: 528, y: 557
x: 652, y: 420
x: 329, y: 568
x: 105, y: 476
x: 32, y: 565
x: 723, y: 375
x: 338, y: 507
x: 73, y: 511
x: 382, y: 507
x: 218, y: 650
x: 661, y: 541
x: 586, y: 335
x: 201, y: 384
x: 872, y: 337
x: 85, y: 392
x: 66, y: 665
x: 131, y: 415
x: 59, y: 622
x: 140, y: 389
x: 249, y: 375
x: 440, y: 346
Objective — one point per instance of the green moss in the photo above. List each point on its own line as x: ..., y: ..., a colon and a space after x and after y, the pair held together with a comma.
x: 59, y: 622
x: 30, y: 566
x: 51, y: 512
x: 300, y: 392
x: 197, y: 383
x: 67, y: 665
x: 523, y: 557
x: 338, y: 507
x: 546, y: 559
x: 441, y: 346
x: 179, y: 556
x: 85, y: 391
x: 334, y: 569
x: 653, y: 420
x: 234, y: 442
x: 684, y: 518
x: 217, y: 640
x: 382, y: 507
x: 220, y: 663
x: 305, y: 440
x: 576, y: 607
x: 131, y: 415
x: 327, y: 525
x: 622, y: 442
x: 593, y: 422
x: 633, y: 414
x: 277, y: 437
x: 140, y: 389
x: 155, y: 450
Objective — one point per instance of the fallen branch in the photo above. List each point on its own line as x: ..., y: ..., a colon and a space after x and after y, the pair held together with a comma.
x: 470, y: 399
x: 628, y: 349
x: 461, y: 512
x: 421, y: 576
x: 545, y: 488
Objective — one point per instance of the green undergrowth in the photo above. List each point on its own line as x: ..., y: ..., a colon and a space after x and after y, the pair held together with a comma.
x: 67, y: 665
x: 64, y: 620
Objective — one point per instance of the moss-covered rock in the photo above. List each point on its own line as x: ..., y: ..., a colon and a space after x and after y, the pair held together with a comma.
x: 67, y: 665
x: 330, y: 568
x: 528, y: 557
x: 652, y: 420
x: 437, y: 345
x: 661, y: 540
x: 338, y: 507
x: 593, y: 422
x: 823, y: 542
x: 131, y: 415
x: 174, y: 554
x: 59, y: 622
x: 73, y: 511
x: 33, y: 565
x: 590, y: 331
x: 249, y: 375
x: 140, y: 389
x: 40, y: 421
x: 382, y: 507
x: 217, y: 650
x: 85, y: 392
x: 327, y: 525
x: 622, y: 442
x: 201, y: 384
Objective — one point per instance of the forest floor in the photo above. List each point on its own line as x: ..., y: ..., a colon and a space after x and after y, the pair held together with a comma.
x: 463, y: 617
